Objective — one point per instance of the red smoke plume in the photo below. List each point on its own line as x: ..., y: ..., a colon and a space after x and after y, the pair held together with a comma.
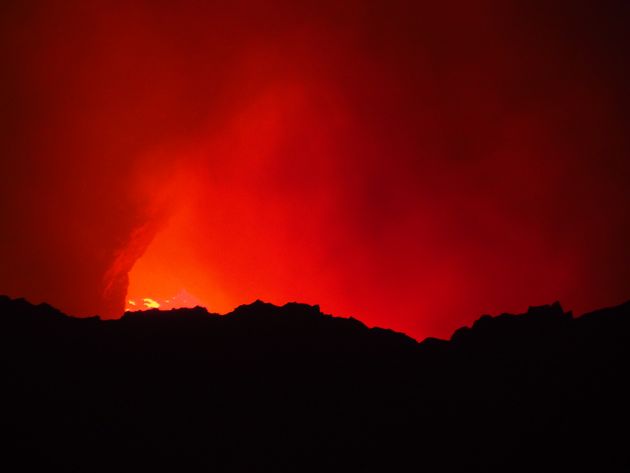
x: 411, y: 164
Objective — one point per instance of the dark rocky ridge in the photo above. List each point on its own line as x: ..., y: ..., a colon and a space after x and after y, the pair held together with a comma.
x: 288, y: 389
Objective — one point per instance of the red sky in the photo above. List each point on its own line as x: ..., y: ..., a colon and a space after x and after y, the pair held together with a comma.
x: 413, y: 165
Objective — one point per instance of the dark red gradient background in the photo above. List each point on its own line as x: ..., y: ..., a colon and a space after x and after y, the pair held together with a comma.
x: 409, y: 163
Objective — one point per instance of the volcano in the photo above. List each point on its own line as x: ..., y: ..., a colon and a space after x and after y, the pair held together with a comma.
x: 413, y: 163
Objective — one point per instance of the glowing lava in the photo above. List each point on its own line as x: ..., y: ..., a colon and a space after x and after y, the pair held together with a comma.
x: 182, y: 299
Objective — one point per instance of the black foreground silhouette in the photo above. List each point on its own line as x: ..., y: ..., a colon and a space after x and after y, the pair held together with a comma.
x: 289, y: 389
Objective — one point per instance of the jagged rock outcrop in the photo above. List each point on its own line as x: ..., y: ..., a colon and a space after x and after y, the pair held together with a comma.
x: 287, y: 389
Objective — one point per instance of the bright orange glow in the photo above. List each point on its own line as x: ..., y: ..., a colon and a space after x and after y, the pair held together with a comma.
x: 413, y: 164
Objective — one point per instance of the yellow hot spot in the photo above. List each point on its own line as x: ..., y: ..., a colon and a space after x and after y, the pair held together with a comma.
x: 150, y: 303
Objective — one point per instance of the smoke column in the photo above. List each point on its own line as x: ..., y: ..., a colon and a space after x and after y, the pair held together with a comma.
x: 411, y: 164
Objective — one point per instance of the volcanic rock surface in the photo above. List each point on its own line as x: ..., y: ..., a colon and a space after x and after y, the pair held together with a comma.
x: 289, y: 389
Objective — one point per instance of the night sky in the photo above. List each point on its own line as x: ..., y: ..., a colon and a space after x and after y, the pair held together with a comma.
x: 410, y: 164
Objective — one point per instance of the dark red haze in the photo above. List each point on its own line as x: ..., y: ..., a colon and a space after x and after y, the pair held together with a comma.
x: 412, y: 164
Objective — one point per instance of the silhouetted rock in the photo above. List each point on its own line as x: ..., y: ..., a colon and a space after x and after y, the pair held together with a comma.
x: 289, y: 389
